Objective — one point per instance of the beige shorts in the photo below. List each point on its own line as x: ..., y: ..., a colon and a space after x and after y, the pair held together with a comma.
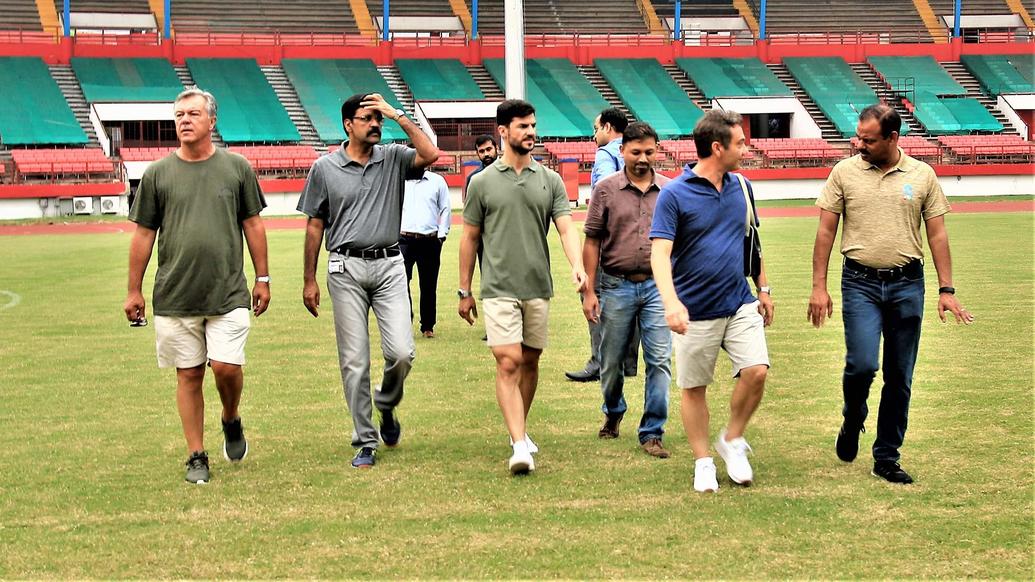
x: 742, y: 335
x: 515, y: 321
x: 186, y: 342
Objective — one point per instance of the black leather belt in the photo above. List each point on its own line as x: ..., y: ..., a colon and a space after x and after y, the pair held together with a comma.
x: 912, y: 270
x: 369, y: 254
x: 418, y: 235
x: 632, y: 277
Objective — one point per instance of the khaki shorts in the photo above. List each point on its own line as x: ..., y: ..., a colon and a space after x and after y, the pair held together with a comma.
x: 515, y: 321
x: 186, y: 342
x: 742, y: 336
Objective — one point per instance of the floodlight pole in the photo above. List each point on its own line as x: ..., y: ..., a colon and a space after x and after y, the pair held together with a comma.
x: 677, y: 22
x: 384, y: 20
x: 167, y: 33
x: 474, y: 19
x: 956, y: 18
x: 67, y: 12
x: 761, y: 21
x: 514, y: 48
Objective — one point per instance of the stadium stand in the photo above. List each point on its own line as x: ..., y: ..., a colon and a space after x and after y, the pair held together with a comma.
x: 919, y: 74
x: 920, y: 148
x: 119, y: 7
x: 682, y: 151
x: 19, y: 15
x: 126, y: 80
x: 566, y: 103
x: 323, y: 85
x: 438, y: 79
x: 733, y: 78
x: 837, y: 90
x: 249, y: 110
x: 148, y: 154
x: 690, y: 8
x: 870, y: 20
x: 970, y: 7
x: 63, y: 164
x: 665, y: 106
x: 411, y: 8
x: 796, y: 151
x: 277, y: 159
x: 35, y: 111
x: 989, y: 148
x: 947, y: 116
x: 263, y: 16
x: 999, y: 74
x: 567, y: 17
x: 584, y: 152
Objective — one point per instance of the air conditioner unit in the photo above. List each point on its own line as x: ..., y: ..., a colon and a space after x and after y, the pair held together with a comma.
x: 109, y: 204
x: 82, y: 205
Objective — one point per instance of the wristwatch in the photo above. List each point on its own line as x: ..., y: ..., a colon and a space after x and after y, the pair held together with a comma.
x: 949, y: 290
x: 263, y: 279
x: 463, y: 293
x: 766, y: 289
x: 399, y: 114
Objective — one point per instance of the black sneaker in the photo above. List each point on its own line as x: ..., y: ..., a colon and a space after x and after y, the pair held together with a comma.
x: 891, y: 472
x: 235, y: 446
x: 847, y: 443
x: 364, y: 459
x: 197, y: 468
x: 391, y: 430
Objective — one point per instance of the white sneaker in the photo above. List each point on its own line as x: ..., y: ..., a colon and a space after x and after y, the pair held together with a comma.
x: 521, y: 462
x: 532, y: 448
x: 704, y: 476
x: 734, y: 453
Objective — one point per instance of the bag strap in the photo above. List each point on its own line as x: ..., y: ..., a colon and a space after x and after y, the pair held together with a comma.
x: 747, y: 202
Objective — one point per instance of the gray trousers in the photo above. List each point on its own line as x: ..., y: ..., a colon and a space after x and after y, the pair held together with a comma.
x: 378, y: 284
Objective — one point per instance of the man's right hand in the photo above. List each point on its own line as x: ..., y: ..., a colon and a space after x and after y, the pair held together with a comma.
x: 135, y: 307
x: 820, y: 306
x: 678, y: 319
x: 468, y: 310
x: 591, y: 306
x: 311, y: 297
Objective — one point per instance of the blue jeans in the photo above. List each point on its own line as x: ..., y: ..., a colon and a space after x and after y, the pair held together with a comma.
x: 625, y: 306
x: 871, y: 308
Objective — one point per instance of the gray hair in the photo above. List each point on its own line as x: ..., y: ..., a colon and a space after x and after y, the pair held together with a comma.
x: 195, y: 91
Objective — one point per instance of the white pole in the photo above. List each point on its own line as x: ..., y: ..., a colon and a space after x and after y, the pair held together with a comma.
x: 514, y: 53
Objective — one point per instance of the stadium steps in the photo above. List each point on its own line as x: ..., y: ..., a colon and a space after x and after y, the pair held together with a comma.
x: 293, y: 105
x: 69, y: 85
x: 19, y: 15
x: 596, y: 79
x: 684, y: 81
x: 885, y: 94
x: 489, y: 87
x: 395, y: 82
x: 964, y: 77
x: 830, y: 132
x: 896, y: 18
x: 188, y: 81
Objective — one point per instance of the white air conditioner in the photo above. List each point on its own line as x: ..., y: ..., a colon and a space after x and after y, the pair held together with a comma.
x: 82, y: 205
x: 109, y: 204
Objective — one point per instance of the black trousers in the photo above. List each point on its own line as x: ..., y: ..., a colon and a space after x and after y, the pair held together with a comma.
x: 426, y: 253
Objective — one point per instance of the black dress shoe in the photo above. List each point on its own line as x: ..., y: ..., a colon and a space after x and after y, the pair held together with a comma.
x: 583, y: 376
x: 891, y: 472
x: 847, y: 443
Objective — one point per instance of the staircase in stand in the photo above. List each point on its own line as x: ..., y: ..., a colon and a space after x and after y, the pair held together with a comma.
x: 684, y: 82
x: 69, y: 84
x: 293, y: 105
x: 596, y: 79
x: 973, y: 87
x: 830, y: 132
x: 886, y: 95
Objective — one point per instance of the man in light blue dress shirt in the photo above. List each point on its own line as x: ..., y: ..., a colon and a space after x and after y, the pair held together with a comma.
x: 425, y: 224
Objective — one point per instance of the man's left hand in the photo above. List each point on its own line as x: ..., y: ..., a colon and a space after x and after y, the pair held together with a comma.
x: 766, y: 308
x: 260, y: 298
x: 948, y: 302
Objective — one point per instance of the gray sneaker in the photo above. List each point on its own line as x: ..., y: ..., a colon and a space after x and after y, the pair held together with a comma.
x: 235, y: 446
x: 197, y: 468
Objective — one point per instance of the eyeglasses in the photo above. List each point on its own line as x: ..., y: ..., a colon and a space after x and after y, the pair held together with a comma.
x: 369, y: 118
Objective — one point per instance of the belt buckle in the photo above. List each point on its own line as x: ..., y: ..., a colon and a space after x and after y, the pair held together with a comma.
x: 887, y: 274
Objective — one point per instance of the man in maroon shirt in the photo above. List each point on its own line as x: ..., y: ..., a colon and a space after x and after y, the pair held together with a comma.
x: 617, y: 230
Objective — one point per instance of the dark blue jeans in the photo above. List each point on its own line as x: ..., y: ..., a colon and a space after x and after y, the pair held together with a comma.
x: 872, y: 308
x: 624, y: 307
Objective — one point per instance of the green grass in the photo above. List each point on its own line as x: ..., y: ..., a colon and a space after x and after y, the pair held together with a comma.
x: 92, y: 485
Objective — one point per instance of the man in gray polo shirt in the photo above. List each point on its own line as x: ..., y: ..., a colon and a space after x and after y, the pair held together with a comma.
x: 356, y: 194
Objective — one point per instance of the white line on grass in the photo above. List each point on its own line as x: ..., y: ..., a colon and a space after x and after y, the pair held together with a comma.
x: 15, y: 299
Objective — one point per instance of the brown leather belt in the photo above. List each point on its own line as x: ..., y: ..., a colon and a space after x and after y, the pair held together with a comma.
x: 632, y: 277
x: 418, y: 235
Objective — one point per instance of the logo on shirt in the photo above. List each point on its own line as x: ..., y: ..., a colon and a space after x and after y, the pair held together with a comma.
x: 907, y: 192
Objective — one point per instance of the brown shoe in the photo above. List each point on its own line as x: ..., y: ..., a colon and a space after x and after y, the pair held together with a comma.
x: 610, y: 428
x: 429, y: 334
x: 654, y: 448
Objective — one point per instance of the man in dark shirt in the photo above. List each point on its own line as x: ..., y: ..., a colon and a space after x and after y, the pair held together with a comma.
x: 617, y: 229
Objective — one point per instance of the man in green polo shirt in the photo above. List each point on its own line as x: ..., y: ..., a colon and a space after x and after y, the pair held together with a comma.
x: 508, y: 211
x: 884, y: 196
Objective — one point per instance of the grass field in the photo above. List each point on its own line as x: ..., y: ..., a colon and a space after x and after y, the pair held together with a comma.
x: 92, y: 485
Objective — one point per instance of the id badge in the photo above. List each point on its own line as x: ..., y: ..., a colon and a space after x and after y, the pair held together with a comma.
x: 335, y: 266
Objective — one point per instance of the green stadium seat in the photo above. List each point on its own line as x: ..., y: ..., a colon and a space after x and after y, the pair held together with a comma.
x: 950, y: 116
x: 651, y: 95
x: 439, y: 79
x: 733, y: 78
x: 249, y: 110
x: 918, y: 74
x: 323, y: 85
x: 126, y: 80
x: 34, y: 111
x: 566, y: 102
x: 838, y: 91
x: 1001, y: 73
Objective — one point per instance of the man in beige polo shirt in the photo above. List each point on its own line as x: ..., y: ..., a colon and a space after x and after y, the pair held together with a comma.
x: 884, y: 196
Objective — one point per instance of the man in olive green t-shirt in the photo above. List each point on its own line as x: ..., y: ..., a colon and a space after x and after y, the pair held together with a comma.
x: 884, y: 196
x: 508, y: 211
x: 197, y: 202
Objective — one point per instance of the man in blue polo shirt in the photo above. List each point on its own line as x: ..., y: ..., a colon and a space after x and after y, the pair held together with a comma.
x: 697, y: 257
